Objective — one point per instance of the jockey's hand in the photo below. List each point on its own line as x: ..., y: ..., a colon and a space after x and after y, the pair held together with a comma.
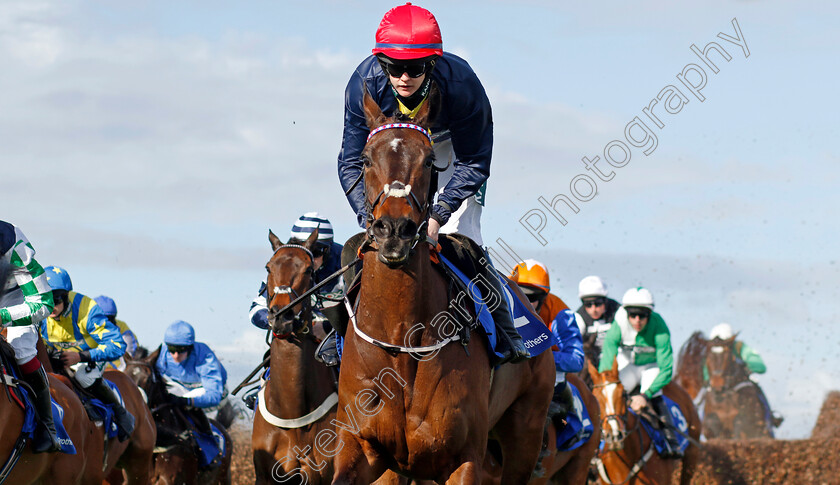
x: 638, y: 402
x: 434, y: 227
x: 69, y: 357
x: 179, y: 401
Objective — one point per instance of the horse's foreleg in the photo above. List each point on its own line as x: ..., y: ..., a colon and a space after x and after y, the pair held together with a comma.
x: 521, y: 429
x: 352, y: 465
x: 469, y: 473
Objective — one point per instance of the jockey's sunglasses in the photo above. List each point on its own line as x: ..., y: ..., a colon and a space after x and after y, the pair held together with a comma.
x: 594, y: 302
x: 178, y: 349
x: 397, y: 70
x: 638, y: 314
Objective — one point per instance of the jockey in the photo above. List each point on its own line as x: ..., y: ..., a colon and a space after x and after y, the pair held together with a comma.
x: 109, y: 308
x: 85, y: 341
x: 194, y: 376
x: 595, y: 314
x: 532, y: 277
x: 640, y: 342
x: 25, y: 300
x: 751, y: 360
x: 327, y: 260
x: 407, y: 57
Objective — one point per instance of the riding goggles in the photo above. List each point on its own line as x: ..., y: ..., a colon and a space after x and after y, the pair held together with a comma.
x: 594, y: 302
x: 178, y: 349
x: 413, y: 70
x: 638, y: 313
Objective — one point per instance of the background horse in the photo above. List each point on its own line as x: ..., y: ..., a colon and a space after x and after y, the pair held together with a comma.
x: 425, y: 414
x: 733, y: 407
x: 175, y: 455
x: 571, y: 467
x: 627, y: 441
x: 690, y: 362
x: 43, y: 468
x: 298, y: 385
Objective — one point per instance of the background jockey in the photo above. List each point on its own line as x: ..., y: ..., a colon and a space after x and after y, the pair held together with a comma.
x: 640, y: 342
x: 25, y: 300
x: 407, y: 57
x: 327, y: 260
x: 109, y: 308
x: 532, y: 277
x: 85, y: 341
x: 194, y: 376
x: 595, y: 315
x: 749, y: 358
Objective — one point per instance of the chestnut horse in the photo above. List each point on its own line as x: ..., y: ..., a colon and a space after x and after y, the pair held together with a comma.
x: 733, y: 407
x: 44, y: 468
x: 571, y: 467
x: 93, y: 463
x: 628, y: 455
x: 412, y: 398
x: 297, y: 403
x: 690, y: 362
x: 175, y: 458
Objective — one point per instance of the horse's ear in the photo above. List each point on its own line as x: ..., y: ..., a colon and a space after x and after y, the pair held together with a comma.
x: 614, y: 368
x: 425, y: 117
x: 373, y: 114
x: 153, y: 357
x: 593, y: 370
x: 310, y: 241
x: 274, y: 240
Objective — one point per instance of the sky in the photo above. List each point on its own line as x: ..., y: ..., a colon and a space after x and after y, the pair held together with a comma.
x: 147, y: 147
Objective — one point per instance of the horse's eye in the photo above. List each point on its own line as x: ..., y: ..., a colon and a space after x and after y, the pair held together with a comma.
x: 430, y: 160
x: 366, y: 161
x: 267, y: 270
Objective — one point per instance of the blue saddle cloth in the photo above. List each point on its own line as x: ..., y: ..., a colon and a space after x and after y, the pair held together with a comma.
x: 30, y: 420
x: 535, y: 334
x: 211, y: 446
x: 577, y: 430
x: 105, y: 412
x: 680, y: 422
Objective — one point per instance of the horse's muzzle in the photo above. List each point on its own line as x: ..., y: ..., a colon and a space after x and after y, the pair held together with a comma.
x: 281, y: 324
x: 395, y: 238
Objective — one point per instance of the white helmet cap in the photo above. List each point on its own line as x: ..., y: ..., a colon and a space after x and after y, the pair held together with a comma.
x: 638, y: 296
x: 591, y: 286
x: 722, y: 331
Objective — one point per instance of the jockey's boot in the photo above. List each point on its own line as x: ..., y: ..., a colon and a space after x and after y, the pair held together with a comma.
x: 668, y: 430
x: 502, y: 316
x: 124, y: 419
x: 45, y: 438
x: 561, y: 404
x: 327, y: 351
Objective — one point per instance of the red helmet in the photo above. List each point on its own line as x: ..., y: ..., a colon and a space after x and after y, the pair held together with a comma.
x: 408, y: 32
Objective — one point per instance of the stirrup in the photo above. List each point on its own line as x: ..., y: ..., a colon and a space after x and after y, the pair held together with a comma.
x: 327, y: 352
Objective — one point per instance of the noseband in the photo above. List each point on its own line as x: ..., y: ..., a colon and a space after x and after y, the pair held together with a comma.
x: 302, y: 320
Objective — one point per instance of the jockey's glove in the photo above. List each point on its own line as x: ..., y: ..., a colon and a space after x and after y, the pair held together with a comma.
x: 179, y: 400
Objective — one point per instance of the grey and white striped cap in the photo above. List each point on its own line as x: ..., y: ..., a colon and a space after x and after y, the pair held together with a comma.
x: 308, y: 222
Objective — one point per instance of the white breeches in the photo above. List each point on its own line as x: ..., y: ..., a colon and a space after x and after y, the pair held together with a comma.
x: 632, y: 375
x: 467, y: 219
x: 23, y: 340
x: 85, y: 375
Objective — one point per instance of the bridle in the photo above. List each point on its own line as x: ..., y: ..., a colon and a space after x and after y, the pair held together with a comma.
x: 400, y: 189
x: 618, y: 443
x: 728, y: 376
x: 302, y: 320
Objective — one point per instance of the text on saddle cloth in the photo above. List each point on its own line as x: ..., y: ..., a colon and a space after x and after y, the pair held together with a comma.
x: 679, y: 421
x: 535, y: 334
x: 578, y: 427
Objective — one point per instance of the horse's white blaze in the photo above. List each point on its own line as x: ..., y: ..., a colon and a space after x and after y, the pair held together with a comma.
x: 717, y: 349
x: 395, y: 144
x: 609, y: 391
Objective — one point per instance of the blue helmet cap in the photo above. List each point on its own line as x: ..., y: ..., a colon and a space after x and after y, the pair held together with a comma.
x: 58, y: 278
x: 179, y: 333
x: 107, y: 305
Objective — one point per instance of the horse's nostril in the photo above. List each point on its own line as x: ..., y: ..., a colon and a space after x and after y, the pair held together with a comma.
x: 380, y: 229
x: 408, y: 229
